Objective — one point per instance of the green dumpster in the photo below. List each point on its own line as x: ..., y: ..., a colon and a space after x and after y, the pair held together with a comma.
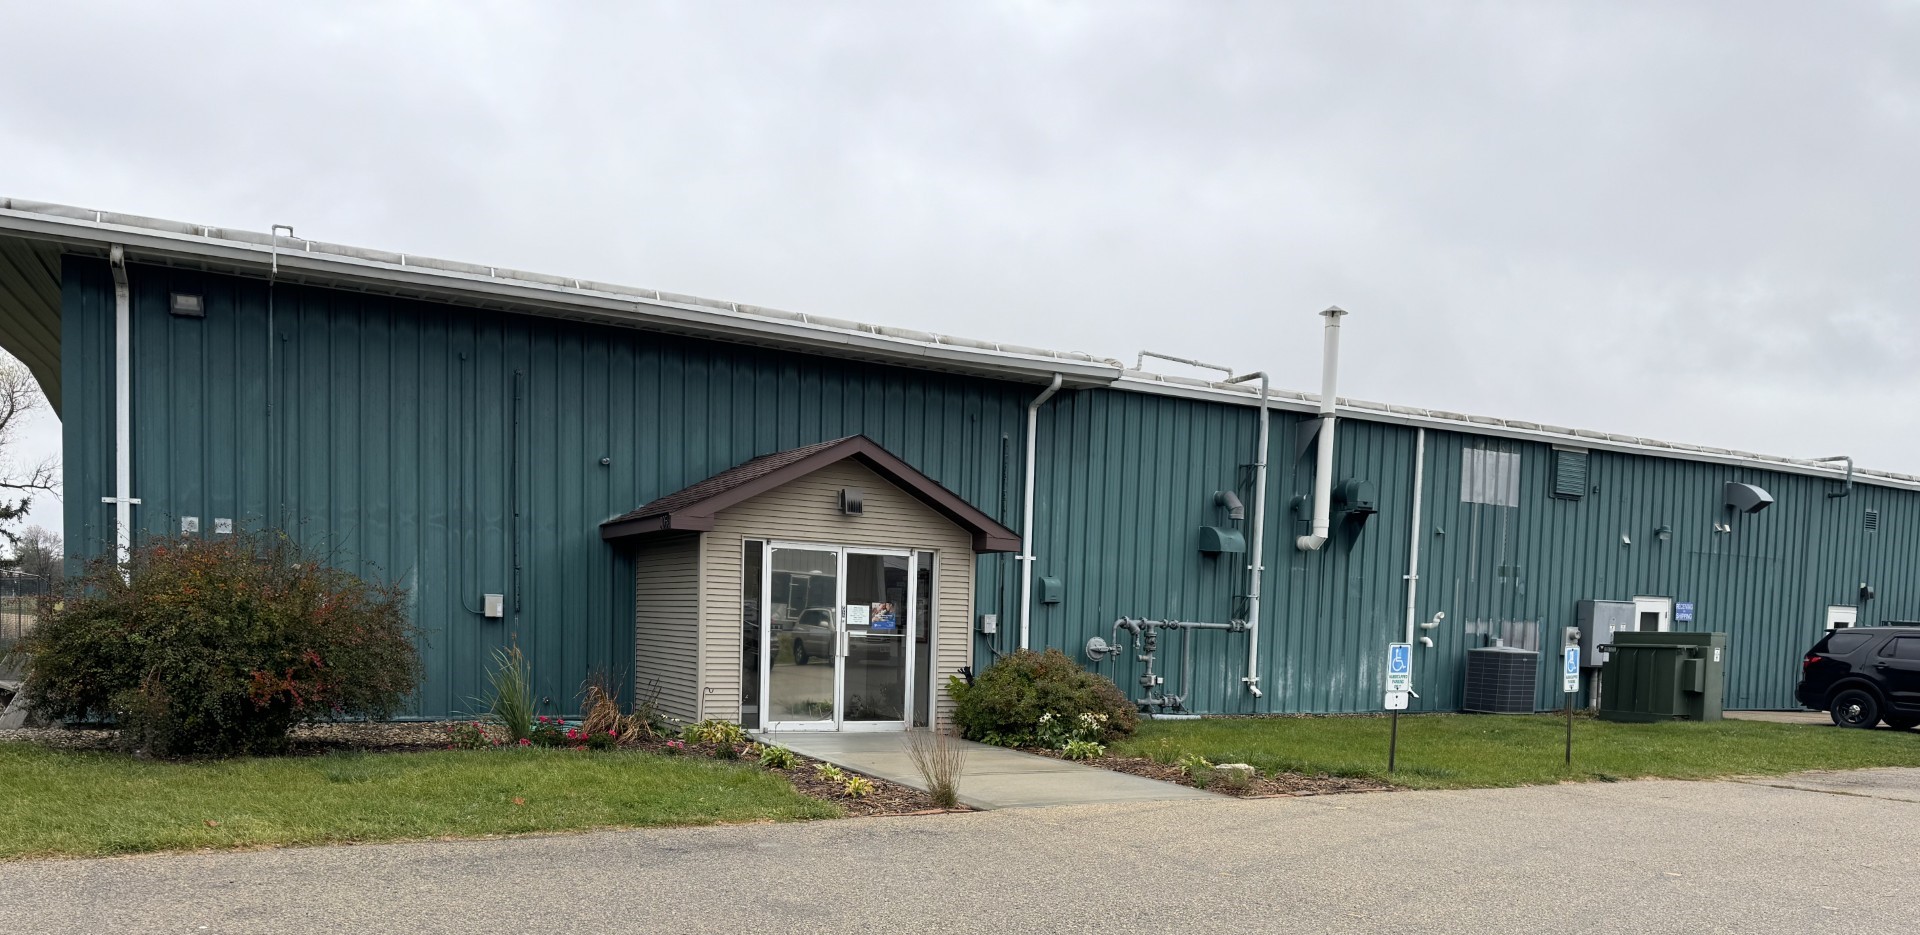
x: 1664, y: 677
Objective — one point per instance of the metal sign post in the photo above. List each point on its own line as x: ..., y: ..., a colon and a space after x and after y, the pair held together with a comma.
x: 1399, y: 685
x: 1570, y: 686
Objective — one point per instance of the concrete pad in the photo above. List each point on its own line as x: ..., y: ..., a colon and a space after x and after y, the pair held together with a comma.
x: 994, y: 777
x: 1783, y: 717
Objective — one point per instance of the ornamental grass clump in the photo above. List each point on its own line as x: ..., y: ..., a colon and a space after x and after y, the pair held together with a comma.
x: 512, y: 704
x: 218, y: 647
x: 940, y: 758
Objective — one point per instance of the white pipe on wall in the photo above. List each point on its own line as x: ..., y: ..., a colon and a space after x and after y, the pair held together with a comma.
x: 1323, y: 463
x: 122, y: 498
x: 1413, y: 529
x: 1257, y: 562
x: 1026, y: 513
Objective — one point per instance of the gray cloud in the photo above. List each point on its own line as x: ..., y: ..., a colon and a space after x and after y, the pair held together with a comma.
x: 1684, y: 221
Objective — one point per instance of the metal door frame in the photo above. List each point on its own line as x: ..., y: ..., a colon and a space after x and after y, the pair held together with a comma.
x: 840, y: 640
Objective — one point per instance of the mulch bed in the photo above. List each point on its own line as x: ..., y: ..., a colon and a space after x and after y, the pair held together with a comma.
x: 887, y: 798
x: 1265, y: 786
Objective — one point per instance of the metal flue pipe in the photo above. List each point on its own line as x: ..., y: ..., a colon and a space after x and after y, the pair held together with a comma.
x: 1257, y: 560
x: 1323, y: 463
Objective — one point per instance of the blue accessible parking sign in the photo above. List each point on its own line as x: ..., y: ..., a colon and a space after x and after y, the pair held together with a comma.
x: 1399, y: 667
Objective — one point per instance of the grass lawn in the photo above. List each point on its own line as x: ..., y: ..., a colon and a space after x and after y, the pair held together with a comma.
x: 1455, y: 751
x: 55, y: 802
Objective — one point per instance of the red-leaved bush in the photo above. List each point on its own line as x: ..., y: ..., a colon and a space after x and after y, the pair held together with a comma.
x: 220, y: 646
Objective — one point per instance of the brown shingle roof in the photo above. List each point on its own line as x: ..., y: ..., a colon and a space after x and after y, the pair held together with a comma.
x: 693, y: 507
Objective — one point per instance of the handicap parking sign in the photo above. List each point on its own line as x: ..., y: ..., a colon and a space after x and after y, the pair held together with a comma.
x: 1399, y: 667
x: 1571, y: 682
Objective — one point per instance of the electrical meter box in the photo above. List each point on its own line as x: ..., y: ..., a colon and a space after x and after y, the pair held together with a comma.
x: 1598, y: 621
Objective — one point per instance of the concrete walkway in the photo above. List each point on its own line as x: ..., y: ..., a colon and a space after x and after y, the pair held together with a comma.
x: 995, y: 777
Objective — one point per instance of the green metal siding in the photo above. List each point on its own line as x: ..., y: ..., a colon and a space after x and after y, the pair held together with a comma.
x: 403, y: 432
x: 392, y: 439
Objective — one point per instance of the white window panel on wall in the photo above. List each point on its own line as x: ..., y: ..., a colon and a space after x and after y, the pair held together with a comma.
x: 1490, y: 477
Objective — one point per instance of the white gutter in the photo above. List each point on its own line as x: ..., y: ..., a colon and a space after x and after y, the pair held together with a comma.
x: 1413, y: 529
x: 313, y: 262
x: 1026, y: 513
x: 122, y: 498
x: 1323, y: 463
x: 222, y: 250
x: 1257, y: 563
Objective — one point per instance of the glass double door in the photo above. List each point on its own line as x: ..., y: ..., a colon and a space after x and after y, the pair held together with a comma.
x: 839, y: 638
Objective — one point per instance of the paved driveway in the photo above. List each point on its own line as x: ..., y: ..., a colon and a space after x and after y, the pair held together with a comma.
x: 1601, y: 858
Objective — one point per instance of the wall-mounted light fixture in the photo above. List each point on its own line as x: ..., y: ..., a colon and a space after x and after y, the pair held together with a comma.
x: 187, y: 305
x: 1624, y: 540
x: 1664, y: 533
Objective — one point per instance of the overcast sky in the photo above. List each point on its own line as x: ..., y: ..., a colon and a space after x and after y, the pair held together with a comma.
x: 1686, y: 221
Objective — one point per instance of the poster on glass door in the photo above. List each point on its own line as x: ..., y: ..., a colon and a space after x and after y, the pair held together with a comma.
x: 883, y: 618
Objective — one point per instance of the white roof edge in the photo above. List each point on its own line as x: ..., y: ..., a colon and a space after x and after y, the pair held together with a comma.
x: 597, y: 301
x: 1366, y: 411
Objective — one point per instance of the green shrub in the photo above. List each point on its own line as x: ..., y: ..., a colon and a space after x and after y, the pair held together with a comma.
x: 773, y: 757
x: 220, y: 646
x: 1006, y: 701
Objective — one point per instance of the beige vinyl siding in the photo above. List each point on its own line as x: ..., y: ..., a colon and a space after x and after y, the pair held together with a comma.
x: 808, y: 510
x: 666, y: 644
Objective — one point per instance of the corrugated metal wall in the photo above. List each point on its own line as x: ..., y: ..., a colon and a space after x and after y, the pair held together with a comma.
x: 394, y: 440
x: 403, y: 432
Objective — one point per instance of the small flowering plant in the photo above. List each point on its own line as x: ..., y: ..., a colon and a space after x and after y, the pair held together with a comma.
x: 550, y: 731
x: 473, y: 735
x: 676, y: 747
x: 1057, y: 733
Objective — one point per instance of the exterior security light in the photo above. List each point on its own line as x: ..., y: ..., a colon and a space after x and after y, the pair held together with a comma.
x: 1664, y: 533
x: 187, y: 305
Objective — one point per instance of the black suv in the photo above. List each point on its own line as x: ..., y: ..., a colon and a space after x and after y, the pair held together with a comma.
x: 1864, y: 675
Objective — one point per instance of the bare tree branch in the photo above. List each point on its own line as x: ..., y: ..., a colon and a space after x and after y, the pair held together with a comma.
x: 19, y: 396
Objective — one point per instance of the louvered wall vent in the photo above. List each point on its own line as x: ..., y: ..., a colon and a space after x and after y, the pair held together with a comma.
x: 1873, y: 519
x: 1569, y: 474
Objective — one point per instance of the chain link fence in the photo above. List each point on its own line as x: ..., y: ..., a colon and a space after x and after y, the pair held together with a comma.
x: 20, y: 596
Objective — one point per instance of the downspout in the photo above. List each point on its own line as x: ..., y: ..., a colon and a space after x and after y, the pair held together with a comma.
x: 1258, y: 560
x: 1413, y: 529
x: 122, y: 499
x: 1848, y: 487
x: 1026, y: 513
x: 1323, y: 464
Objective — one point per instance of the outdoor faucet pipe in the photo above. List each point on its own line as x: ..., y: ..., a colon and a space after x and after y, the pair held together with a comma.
x: 1257, y: 561
x: 1323, y: 463
x: 1026, y: 513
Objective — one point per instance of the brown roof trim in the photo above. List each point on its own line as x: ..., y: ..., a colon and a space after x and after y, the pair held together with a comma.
x: 694, y: 507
